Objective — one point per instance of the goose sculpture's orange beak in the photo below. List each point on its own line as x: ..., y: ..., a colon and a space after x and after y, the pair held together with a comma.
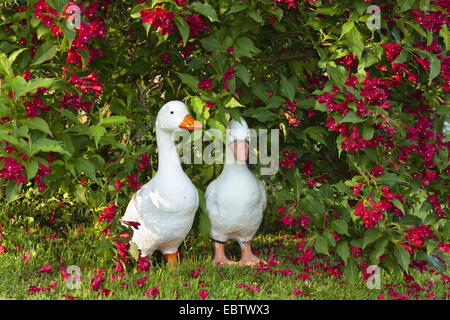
x: 190, y: 124
x: 240, y: 150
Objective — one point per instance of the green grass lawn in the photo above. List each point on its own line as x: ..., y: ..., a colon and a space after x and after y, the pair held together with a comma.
x: 194, y: 273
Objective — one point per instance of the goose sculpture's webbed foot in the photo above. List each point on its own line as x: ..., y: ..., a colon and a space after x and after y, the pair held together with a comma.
x: 219, y: 257
x: 247, y: 257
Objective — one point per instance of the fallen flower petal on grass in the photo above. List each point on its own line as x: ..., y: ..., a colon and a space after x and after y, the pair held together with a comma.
x: 153, y: 292
x: 46, y: 268
x: 203, y: 293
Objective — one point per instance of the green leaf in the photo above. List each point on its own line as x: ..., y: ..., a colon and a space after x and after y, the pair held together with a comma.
x: 355, y: 42
x: 47, y: 145
x: 351, y: 272
x: 69, y: 34
x: 255, y: 16
x: 340, y: 226
x: 237, y: 7
x: 368, y: 132
x: 338, y: 74
x: 244, y: 46
x: 34, y: 84
x: 329, y: 237
x: 191, y: 81
x: 134, y: 251
x: 211, y: 43
x: 343, y: 250
x: 347, y: 27
x: 316, y: 133
x: 183, y: 27
x: 37, y: 124
x: 402, y: 256
x: 206, y: 10
x: 233, y: 103
x: 45, y: 52
x: 445, y: 35
x: 80, y: 193
x: 435, y: 68
x: 86, y: 166
x: 13, y: 56
x: 32, y: 166
x: 59, y: 5
x: 12, y: 191
x: 18, y: 85
x: 390, y: 179
x: 352, y: 117
x: 321, y: 246
x: 242, y: 73
x: 113, y: 120
x: 5, y: 65
x: 287, y: 88
x: 446, y: 232
x: 204, y: 226
x: 97, y: 132
x: 405, y: 4
x: 379, y: 248
x: 370, y: 236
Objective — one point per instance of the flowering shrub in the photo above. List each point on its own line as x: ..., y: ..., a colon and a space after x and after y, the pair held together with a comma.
x: 364, y: 162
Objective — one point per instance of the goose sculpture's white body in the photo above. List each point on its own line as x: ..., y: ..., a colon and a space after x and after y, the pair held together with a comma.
x: 235, y: 201
x: 165, y: 206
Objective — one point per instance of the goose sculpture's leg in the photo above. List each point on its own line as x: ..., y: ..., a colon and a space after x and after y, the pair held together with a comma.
x: 172, y: 259
x: 219, y: 254
x: 247, y: 257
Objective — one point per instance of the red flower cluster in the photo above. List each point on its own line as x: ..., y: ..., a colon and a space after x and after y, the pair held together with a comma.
x: 392, y: 51
x: 372, y: 213
x: 108, y: 213
x: 290, y: 161
x: 94, y: 29
x: 291, y: 105
x: 160, y: 19
x: 75, y: 102
x: 205, y: 84
x: 34, y: 289
x: 196, y: 24
x: 43, y: 11
x: 228, y: 75
x: 33, y: 107
x: 144, y: 263
x: 431, y: 20
x: 143, y: 162
x: 12, y: 170
x: 416, y: 235
x: 436, y: 205
x: 43, y: 171
x: 133, y: 182
x: 88, y: 83
x: 349, y: 61
x: 123, y: 247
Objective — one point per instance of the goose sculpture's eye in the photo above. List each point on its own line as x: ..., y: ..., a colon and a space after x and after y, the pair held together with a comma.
x: 171, y: 112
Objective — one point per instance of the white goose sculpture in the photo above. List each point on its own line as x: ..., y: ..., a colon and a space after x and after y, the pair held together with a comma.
x: 165, y: 206
x: 235, y: 201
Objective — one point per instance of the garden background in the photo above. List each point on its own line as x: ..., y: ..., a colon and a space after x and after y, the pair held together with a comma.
x: 364, y: 149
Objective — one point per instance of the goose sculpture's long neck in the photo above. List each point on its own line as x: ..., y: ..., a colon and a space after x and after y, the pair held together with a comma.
x: 168, y: 159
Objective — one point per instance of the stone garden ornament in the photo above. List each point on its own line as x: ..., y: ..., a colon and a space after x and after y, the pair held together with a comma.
x: 165, y: 206
x: 235, y: 201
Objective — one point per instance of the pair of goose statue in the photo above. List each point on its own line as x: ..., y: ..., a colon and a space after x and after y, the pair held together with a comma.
x: 166, y: 205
